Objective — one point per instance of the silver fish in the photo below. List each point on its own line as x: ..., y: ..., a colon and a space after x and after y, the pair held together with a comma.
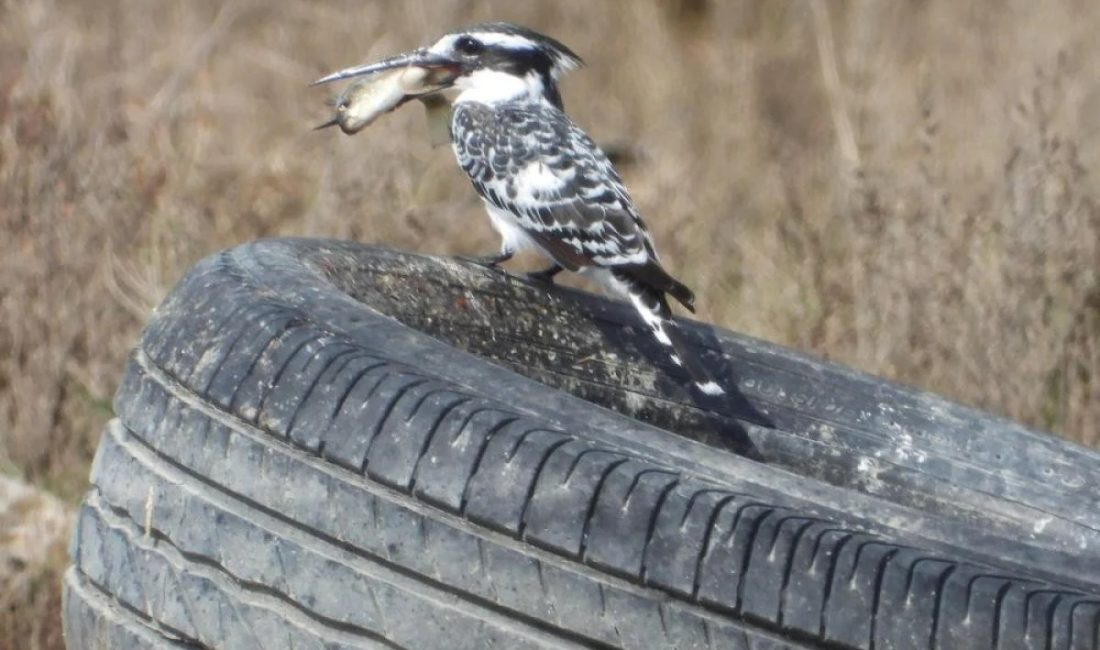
x: 362, y: 102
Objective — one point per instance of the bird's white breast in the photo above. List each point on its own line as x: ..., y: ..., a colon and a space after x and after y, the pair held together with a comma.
x: 514, y: 237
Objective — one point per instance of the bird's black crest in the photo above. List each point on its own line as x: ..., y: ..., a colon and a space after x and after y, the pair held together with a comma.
x: 518, y: 30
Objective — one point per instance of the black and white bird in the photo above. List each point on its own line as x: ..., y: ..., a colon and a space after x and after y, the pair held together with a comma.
x: 545, y: 183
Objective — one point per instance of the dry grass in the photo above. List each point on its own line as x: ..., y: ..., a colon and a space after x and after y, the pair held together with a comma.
x: 907, y: 187
x: 34, y: 528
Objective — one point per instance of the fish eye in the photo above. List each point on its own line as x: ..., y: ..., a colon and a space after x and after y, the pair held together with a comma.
x: 469, y: 45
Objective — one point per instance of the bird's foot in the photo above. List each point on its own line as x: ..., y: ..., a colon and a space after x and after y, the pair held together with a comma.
x: 545, y: 276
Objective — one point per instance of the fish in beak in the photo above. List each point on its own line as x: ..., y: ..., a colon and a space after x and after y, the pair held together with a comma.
x: 392, y: 82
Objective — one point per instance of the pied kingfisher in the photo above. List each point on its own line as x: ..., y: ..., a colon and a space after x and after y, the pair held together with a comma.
x: 545, y: 183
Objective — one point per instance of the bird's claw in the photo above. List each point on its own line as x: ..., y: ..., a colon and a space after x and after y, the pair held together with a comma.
x: 488, y: 261
x: 545, y: 276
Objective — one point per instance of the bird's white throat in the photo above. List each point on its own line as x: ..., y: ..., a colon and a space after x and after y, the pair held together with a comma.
x: 493, y: 87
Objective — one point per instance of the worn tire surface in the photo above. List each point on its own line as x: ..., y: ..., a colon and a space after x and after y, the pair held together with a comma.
x: 324, y: 445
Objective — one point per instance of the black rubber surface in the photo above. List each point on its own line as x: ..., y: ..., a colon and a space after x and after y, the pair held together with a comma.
x: 325, y: 445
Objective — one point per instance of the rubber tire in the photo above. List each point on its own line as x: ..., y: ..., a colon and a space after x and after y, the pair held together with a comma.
x: 324, y: 445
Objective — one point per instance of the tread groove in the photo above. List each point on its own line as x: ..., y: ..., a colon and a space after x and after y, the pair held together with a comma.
x: 754, y: 530
x: 863, y: 545
x: 423, y: 398
x: 876, y: 597
x: 433, y: 429
x: 529, y: 497
x: 346, y: 357
x: 577, y: 461
x: 287, y: 360
x: 823, y: 534
x: 974, y: 580
x: 997, y: 608
x: 460, y: 431
x: 694, y: 497
x: 830, y: 579
x: 652, y: 528
x: 1073, y: 628
x: 913, y: 569
x: 705, y: 547
x: 288, y: 327
x: 259, y: 315
x: 638, y: 477
x: 351, y: 387
x: 1051, y: 611
x: 522, y: 438
x: 596, y: 494
x: 934, y: 633
x: 390, y: 406
x: 789, y: 567
x: 465, y: 500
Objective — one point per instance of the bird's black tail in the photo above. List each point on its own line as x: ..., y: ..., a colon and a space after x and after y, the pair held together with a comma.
x: 654, y: 310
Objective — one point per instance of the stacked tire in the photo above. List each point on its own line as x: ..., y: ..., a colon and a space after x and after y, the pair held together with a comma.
x: 325, y: 445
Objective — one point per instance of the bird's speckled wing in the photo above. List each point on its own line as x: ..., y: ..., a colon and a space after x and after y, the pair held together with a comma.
x: 533, y: 162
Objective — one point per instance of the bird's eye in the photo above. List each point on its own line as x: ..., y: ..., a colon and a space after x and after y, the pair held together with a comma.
x: 469, y: 45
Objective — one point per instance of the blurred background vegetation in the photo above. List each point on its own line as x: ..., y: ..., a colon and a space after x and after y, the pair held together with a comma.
x: 907, y: 187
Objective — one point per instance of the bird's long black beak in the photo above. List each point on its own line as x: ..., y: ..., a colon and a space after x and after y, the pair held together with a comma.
x: 420, y: 58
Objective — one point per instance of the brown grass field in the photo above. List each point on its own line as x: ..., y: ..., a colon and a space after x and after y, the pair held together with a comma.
x: 907, y: 187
